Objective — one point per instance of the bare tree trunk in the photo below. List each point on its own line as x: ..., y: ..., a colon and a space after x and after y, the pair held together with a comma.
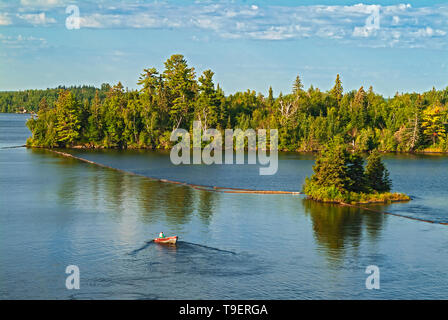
x: 414, y: 133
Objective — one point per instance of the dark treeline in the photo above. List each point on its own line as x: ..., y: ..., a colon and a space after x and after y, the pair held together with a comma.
x: 112, y: 117
x: 28, y: 100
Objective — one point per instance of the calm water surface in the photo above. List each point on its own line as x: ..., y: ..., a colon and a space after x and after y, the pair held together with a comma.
x: 57, y: 211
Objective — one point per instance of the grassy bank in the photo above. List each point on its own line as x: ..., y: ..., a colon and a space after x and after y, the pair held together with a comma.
x: 333, y: 195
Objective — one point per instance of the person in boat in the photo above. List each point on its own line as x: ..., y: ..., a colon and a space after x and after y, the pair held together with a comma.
x: 161, y: 235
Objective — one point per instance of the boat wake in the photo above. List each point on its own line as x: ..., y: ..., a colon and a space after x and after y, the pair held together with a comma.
x: 146, y: 245
x: 181, y: 245
x: 186, y: 244
x: 196, y: 259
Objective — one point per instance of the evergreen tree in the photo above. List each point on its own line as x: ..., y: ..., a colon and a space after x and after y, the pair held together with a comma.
x: 68, y: 118
x: 270, y: 101
x: 149, y: 79
x: 207, y: 102
x: 355, y: 172
x: 359, y: 117
x: 297, y: 86
x: 181, y: 85
x: 112, y: 110
x: 307, y: 120
x: 377, y: 175
x: 331, y: 168
x: 337, y: 90
x: 132, y: 122
x: 95, y: 125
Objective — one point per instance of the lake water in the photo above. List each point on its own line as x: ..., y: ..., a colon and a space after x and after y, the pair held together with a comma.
x: 56, y: 212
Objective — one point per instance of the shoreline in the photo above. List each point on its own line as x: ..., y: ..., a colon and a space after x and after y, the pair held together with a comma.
x: 373, y: 202
x: 84, y: 147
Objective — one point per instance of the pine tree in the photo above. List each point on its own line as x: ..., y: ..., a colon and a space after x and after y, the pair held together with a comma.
x: 297, y: 86
x: 376, y: 173
x: 207, y: 104
x: 68, y: 118
x: 331, y: 169
x: 308, y: 120
x: 359, y: 116
x: 112, y: 109
x: 355, y: 171
x: 149, y: 80
x: 132, y: 122
x: 270, y: 101
x: 95, y: 126
x: 181, y: 84
x: 337, y: 90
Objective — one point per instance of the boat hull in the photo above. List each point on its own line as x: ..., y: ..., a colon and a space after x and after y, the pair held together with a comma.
x: 167, y: 240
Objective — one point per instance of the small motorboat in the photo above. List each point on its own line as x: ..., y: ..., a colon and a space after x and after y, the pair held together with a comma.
x: 166, y: 240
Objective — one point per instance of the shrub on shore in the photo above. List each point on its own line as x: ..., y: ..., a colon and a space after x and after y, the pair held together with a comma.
x: 333, y: 195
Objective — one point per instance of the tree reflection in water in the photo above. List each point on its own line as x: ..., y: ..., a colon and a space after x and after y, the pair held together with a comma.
x: 117, y: 193
x: 338, y: 228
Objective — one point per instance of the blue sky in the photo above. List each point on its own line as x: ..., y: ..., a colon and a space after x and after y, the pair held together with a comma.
x: 391, y: 45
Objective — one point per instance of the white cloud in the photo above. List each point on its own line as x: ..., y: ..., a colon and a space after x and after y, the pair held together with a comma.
x: 359, y: 8
x: 100, y: 21
x: 5, y: 20
x: 20, y: 42
x: 355, y: 24
x: 36, y: 18
x: 364, y: 32
x: 274, y: 33
x: 41, y: 3
x: 429, y: 32
x: 395, y: 20
x: 206, y: 23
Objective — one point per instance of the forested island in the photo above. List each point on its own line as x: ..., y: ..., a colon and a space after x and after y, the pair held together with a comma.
x: 115, y: 117
x: 339, y: 176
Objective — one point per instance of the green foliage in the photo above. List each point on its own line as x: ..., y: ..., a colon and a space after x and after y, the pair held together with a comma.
x: 377, y: 175
x: 29, y: 100
x: 208, y: 102
x: 337, y: 90
x: 307, y: 120
x: 355, y: 173
x: 333, y: 195
x: 434, y: 119
x: 297, y: 87
x: 331, y: 169
x: 44, y: 129
x: 181, y: 88
x: 68, y: 116
x: 339, y: 176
